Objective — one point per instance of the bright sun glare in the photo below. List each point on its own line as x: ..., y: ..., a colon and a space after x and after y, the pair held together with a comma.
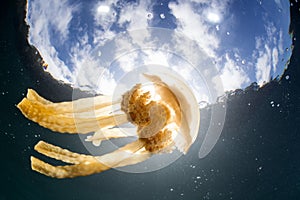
x: 103, y: 9
x: 213, y: 17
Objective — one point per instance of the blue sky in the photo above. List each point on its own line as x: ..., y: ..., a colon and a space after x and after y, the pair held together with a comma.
x: 245, y: 40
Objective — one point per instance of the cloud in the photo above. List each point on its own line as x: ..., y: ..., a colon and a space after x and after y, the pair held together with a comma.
x: 128, y: 62
x: 42, y: 14
x: 104, y: 16
x: 192, y: 24
x: 274, y: 59
x: 43, y: 23
x: 267, y: 52
x: 263, y: 65
x: 80, y: 41
x: 135, y: 14
x: 232, y: 75
x: 280, y: 42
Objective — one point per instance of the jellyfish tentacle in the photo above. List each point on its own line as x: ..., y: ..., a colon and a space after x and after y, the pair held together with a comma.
x: 76, y: 106
x: 66, y: 123
x: 32, y: 95
x: 87, y: 165
x: 68, y: 171
x: 61, y: 154
x: 115, y: 158
x: 107, y: 134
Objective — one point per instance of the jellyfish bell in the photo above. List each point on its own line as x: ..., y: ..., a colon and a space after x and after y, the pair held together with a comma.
x: 181, y: 103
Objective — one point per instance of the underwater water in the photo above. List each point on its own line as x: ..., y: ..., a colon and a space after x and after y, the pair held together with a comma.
x: 256, y: 157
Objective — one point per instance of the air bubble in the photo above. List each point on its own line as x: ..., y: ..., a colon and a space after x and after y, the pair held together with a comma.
x: 149, y: 16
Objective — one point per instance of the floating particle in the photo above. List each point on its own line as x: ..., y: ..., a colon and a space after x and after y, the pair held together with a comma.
x: 192, y: 166
x: 162, y: 15
x: 171, y: 189
x: 149, y: 16
x: 203, y: 104
x: 259, y: 168
x: 287, y: 77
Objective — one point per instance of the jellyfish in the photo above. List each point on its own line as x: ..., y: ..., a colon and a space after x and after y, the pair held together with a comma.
x: 164, y: 117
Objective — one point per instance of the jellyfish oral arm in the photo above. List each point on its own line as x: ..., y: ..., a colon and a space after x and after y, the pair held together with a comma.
x: 83, y: 165
x: 111, y: 133
x: 59, y: 117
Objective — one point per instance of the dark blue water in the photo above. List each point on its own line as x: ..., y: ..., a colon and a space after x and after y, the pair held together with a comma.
x: 257, y: 156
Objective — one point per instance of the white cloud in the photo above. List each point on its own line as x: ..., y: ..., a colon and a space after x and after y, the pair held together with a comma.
x: 136, y: 17
x: 51, y: 14
x: 232, y: 75
x: 274, y: 59
x: 128, y: 62
x: 43, y: 23
x: 195, y: 39
x: 156, y: 57
x: 280, y: 42
x: 263, y: 65
x: 100, y: 37
x: 192, y: 24
x: 267, y: 52
x: 135, y: 14
x: 104, y: 14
